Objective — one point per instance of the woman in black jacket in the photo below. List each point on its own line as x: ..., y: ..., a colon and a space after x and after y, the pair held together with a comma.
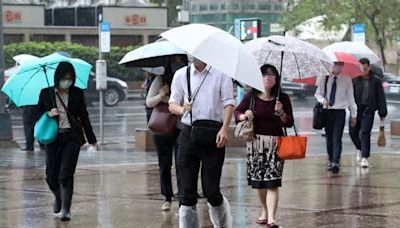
x: 62, y: 155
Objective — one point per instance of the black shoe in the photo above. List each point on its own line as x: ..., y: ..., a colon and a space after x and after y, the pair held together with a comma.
x: 57, y: 201
x: 66, y: 196
x: 27, y: 149
x: 335, y: 168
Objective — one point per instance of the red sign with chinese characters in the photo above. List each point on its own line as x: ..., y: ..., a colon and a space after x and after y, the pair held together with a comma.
x: 135, y: 20
x: 12, y: 16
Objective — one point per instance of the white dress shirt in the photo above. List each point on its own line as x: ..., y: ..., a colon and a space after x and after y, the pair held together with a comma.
x: 344, y: 93
x: 214, y: 95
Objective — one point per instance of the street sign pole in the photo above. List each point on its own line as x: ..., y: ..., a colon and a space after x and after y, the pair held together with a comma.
x: 5, y: 120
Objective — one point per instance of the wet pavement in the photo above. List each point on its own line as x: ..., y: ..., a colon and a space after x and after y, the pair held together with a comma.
x: 120, y: 188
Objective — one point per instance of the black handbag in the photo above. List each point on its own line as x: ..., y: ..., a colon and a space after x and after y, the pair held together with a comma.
x: 202, y: 132
x: 319, y: 113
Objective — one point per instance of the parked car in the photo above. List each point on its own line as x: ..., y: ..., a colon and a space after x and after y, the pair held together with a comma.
x: 391, y: 85
x: 298, y: 89
x: 117, y: 91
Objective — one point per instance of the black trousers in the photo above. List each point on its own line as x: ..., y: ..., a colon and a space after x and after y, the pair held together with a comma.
x: 165, y: 145
x: 361, y: 133
x: 334, y: 133
x: 190, y: 158
x: 61, y: 159
x: 29, y: 117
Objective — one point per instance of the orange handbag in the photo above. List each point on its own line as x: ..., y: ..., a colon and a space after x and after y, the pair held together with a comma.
x: 292, y: 147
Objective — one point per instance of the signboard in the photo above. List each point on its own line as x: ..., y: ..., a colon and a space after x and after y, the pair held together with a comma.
x: 135, y: 19
x: 105, y: 37
x: 247, y: 28
x: 12, y: 16
x: 359, y: 33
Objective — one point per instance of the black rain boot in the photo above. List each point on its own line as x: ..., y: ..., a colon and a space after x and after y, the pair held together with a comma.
x: 66, y: 194
x: 57, y: 201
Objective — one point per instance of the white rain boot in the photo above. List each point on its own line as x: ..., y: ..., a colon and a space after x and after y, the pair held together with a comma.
x: 188, y: 217
x: 221, y: 216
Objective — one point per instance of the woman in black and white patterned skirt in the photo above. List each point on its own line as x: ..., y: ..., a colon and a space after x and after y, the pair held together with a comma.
x: 264, y: 168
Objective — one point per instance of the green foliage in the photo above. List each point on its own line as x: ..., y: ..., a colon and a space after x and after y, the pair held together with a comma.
x: 87, y: 53
x: 380, y: 16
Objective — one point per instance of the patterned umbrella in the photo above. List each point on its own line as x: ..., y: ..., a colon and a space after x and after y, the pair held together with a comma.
x: 292, y: 57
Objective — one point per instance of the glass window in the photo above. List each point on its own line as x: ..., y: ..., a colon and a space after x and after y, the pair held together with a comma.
x: 248, y: 6
x: 203, y: 7
x: 214, y: 7
x: 234, y: 6
x: 278, y: 7
x: 264, y: 6
x: 194, y: 8
x: 223, y: 6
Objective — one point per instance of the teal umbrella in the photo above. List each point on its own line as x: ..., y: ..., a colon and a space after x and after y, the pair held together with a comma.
x: 24, y: 87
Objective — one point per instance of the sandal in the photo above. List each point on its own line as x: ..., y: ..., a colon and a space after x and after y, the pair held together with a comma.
x: 262, y: 221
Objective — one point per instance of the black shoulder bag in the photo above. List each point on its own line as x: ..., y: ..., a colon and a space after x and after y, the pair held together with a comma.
x: 203, y: 132
x: 319, y: 113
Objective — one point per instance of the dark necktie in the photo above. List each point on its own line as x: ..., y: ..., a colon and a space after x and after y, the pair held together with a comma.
x: 333, y: 92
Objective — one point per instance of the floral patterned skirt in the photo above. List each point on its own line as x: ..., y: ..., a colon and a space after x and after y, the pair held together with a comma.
x: 264, y: 167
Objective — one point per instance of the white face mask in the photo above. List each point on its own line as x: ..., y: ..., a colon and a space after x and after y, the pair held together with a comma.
x: 65, y: 84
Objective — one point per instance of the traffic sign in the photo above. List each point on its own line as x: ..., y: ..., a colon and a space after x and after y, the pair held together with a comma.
x: 359, y: 33
x: 105, y: 37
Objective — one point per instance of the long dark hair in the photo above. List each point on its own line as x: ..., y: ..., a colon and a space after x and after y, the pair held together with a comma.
x: 274, y: 89
x: 62, y: 69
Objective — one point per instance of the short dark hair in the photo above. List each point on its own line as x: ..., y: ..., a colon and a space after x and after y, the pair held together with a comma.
x: 364, y: 61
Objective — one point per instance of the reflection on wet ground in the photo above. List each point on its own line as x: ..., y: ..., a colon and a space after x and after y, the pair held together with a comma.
x: 120, y: 188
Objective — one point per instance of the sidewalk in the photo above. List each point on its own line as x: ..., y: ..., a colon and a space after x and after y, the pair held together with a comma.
x: 120, y: 188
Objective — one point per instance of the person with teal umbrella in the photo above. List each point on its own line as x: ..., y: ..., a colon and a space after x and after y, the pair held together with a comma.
x: 65, y: 102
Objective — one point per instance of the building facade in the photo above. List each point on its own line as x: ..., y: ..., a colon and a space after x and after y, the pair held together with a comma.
x: 223, y: 13
x: 129, y: 25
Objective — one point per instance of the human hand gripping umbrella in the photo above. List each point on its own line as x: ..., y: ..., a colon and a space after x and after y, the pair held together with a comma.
x: 25, y: 86
x: 218, y: 49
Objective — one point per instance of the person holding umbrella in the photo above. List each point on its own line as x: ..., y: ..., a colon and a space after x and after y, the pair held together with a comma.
x: 65, y: 102
x: 369, y: 96
x: 264, y: 168
x: 202, y: 94
x: 338, y: 97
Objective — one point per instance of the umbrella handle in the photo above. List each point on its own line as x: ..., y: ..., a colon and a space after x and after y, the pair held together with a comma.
x: 51, y: 91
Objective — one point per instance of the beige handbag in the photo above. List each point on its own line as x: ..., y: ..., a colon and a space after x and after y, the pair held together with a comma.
x: 381, y: 136
x: 245, y: 129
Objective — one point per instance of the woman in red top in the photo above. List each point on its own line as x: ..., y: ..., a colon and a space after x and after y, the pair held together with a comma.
x: 264, y: 168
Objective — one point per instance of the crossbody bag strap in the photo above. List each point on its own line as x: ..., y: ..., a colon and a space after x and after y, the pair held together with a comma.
x: 326, y: 85
x: 190, y: 91
x: 68, y: 112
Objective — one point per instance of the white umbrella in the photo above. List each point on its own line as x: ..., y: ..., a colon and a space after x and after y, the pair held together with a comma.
x: 356, y: 49
x: 23, y: 58
x: 220, y: 50
x: 151, y: 55
x: 293, y: 58
x: 155, y: 70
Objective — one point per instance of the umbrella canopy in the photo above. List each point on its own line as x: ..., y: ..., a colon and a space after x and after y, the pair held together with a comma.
x: 151, y: 55
x: 155, y: 70
x: 356, y: 49
x: 24, y: 87
x: 220, y: 50
x: 352, y: 67
x: 294, y: 58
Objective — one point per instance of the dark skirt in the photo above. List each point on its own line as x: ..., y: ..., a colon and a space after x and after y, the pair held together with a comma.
x: 264, y: 167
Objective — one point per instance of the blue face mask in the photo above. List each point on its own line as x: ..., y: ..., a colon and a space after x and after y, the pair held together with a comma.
x: 176, y: 66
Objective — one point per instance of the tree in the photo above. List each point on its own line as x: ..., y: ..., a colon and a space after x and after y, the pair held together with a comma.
x: 172, y: 11
x: 380, y: 16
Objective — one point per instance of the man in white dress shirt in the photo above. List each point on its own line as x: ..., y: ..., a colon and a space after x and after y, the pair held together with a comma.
x: 339, y: 96
x: 212, y: 92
